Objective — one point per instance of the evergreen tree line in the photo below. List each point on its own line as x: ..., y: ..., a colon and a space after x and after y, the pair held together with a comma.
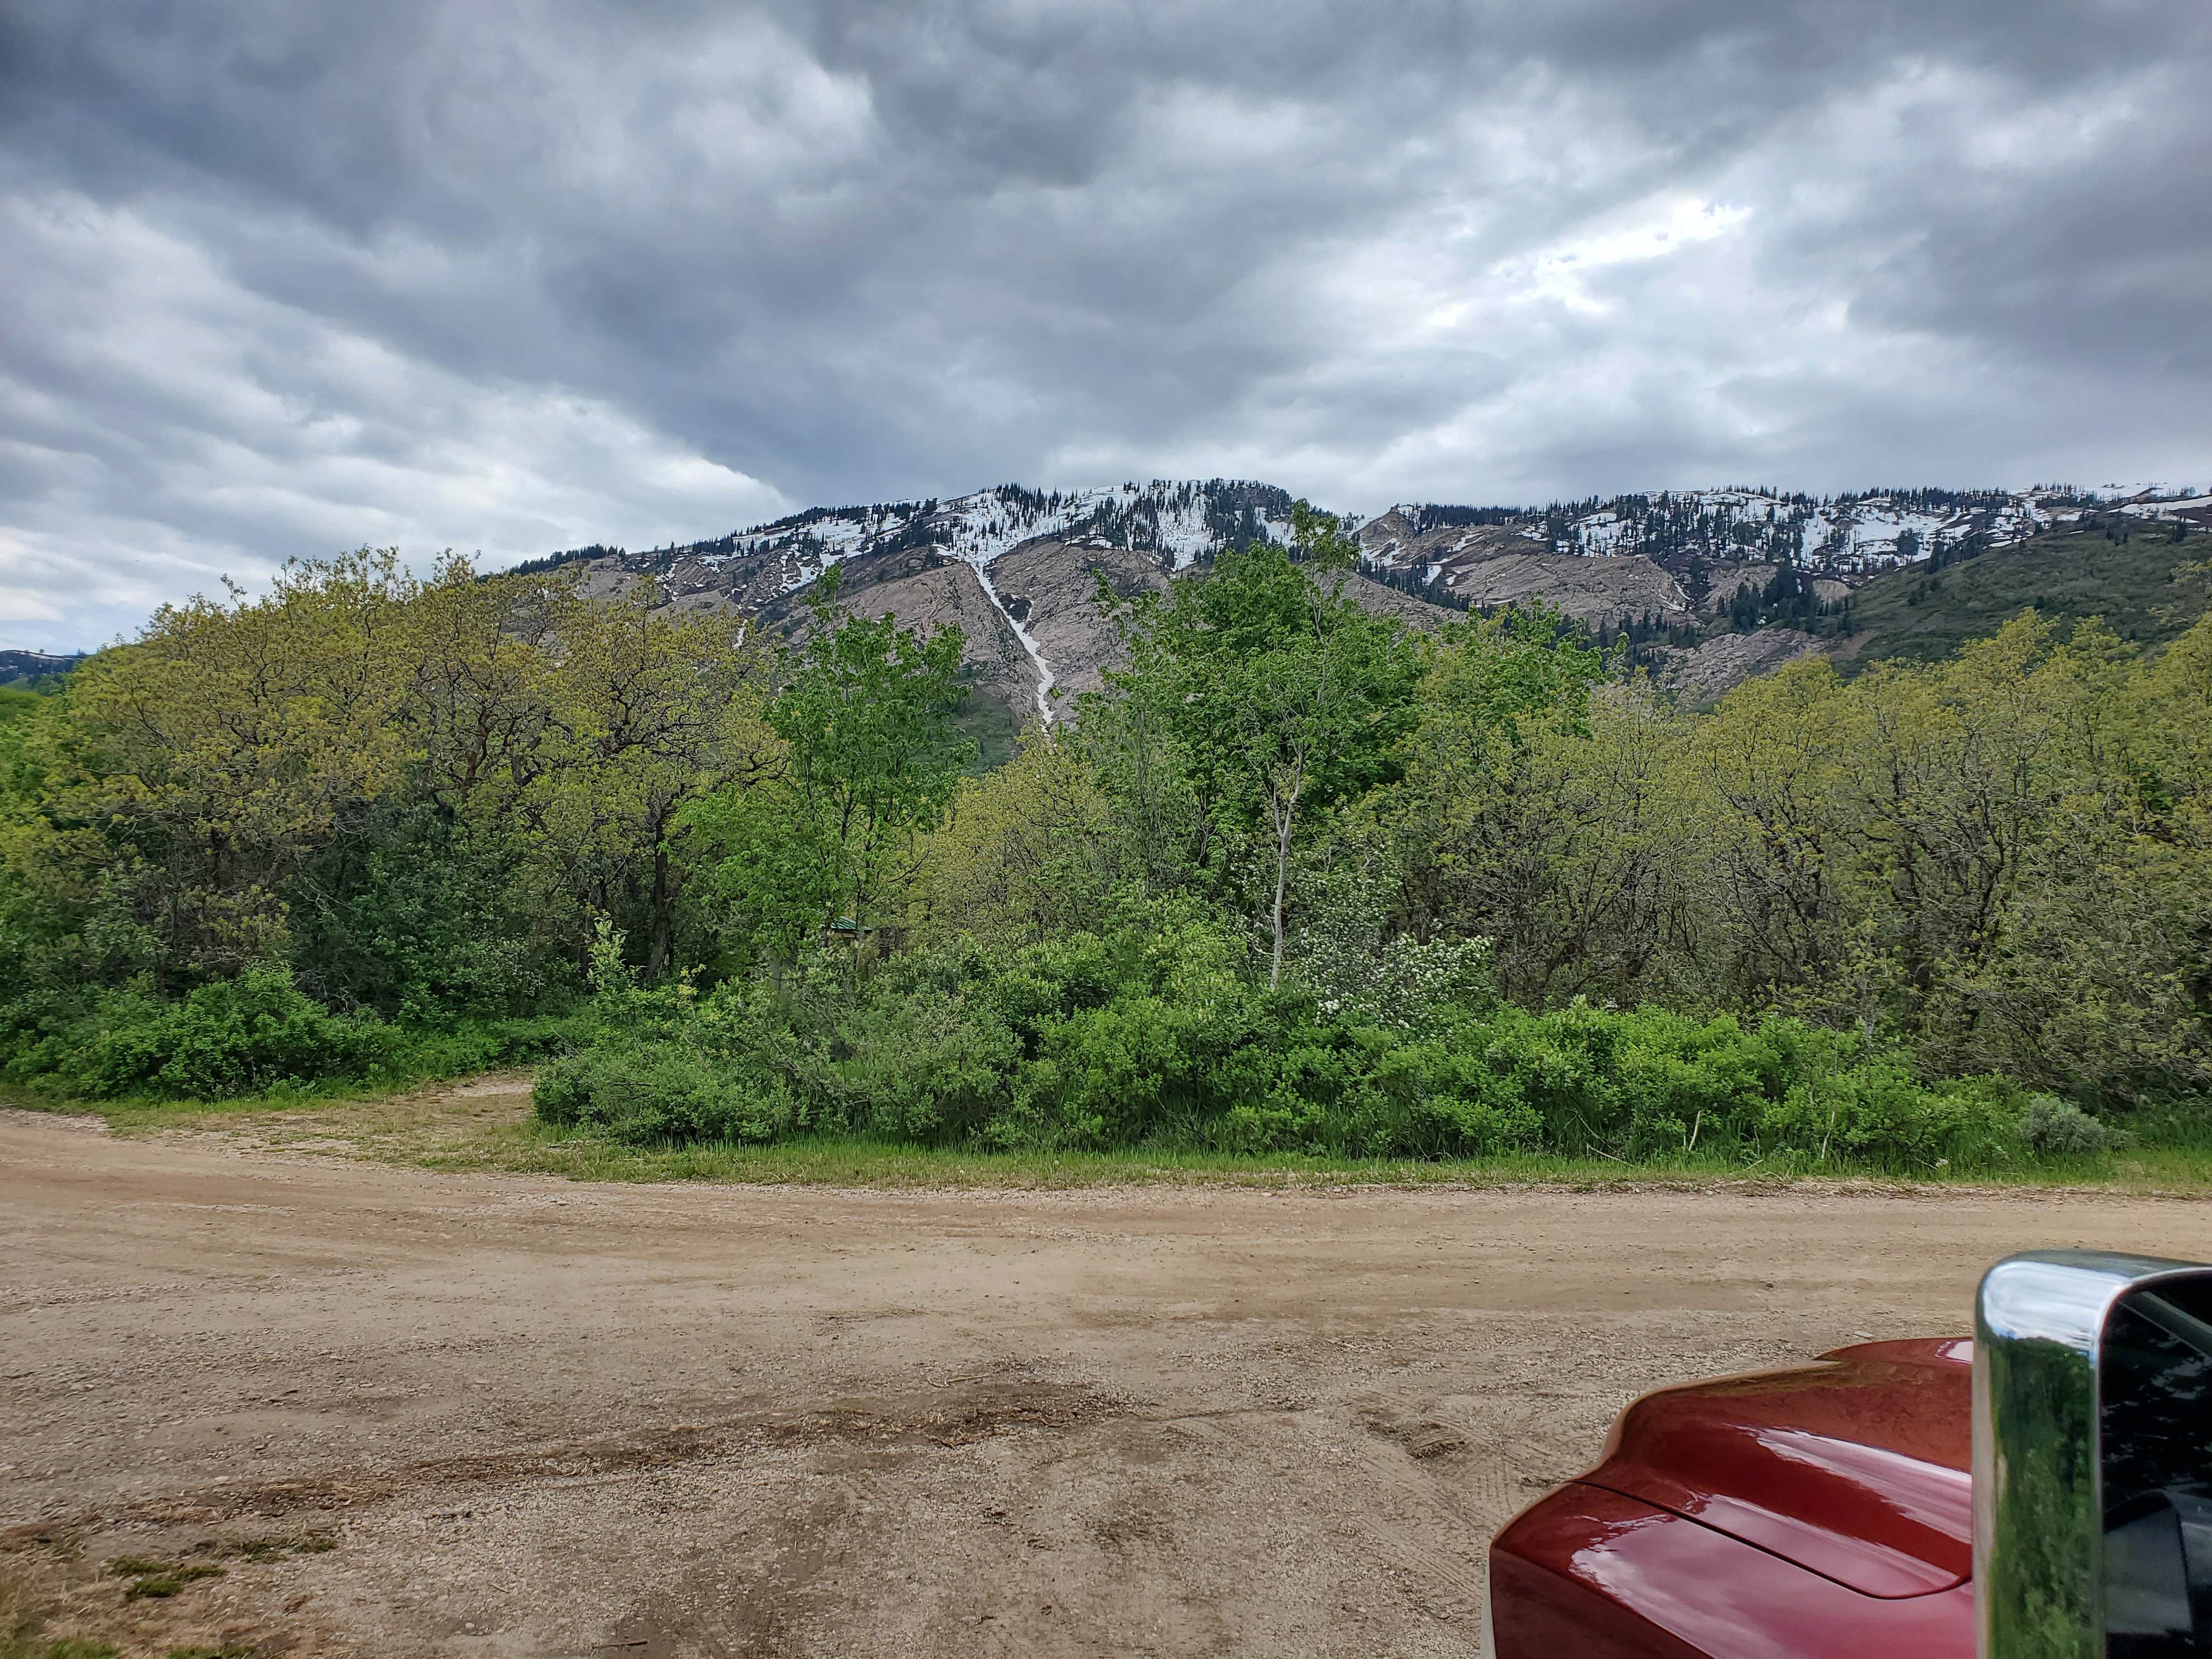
x: 1788, y: 598
x: 1300, y: 877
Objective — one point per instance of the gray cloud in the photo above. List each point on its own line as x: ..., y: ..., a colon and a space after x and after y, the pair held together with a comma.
x: 290, y: 277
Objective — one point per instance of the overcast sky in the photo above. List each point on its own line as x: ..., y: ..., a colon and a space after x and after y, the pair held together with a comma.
x: 283, y: 276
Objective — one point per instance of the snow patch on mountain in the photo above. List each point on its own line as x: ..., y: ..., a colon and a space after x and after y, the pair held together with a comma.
x: 1044, y: 682
x: 1851, y: 535
x: 1180, y: 523
x: 1174, y: 524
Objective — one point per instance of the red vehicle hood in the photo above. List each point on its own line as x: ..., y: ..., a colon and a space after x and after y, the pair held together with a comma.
x: 1854, y: 1467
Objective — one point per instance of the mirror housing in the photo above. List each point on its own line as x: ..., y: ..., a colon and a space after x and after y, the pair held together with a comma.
x: 2093, y: 1487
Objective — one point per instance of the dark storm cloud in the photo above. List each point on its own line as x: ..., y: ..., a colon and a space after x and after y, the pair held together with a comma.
x: 286, y: 276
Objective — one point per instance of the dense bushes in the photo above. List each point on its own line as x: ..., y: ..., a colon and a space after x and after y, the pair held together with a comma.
x: 242, y: 1037
x: 663, y: 1089
x: 227, y: 1038
x: 1149, y: 1034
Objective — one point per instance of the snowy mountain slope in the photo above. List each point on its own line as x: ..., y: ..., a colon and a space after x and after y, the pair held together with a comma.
x: 1015, y: 568
x: 1850, y: 536
x: 2195, y: 509
x: 898, y: 557
x: 1177, y: 522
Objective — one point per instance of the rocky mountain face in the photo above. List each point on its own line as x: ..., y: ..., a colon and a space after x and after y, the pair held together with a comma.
x: 1715, y: 586
x: 1015, y: 569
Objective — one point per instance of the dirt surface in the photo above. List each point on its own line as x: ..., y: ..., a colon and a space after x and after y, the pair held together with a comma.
x: 535, y: 1419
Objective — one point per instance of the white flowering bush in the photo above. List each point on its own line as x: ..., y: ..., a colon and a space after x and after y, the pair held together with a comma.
x: 1404, y: 984
x: 1356, y: 969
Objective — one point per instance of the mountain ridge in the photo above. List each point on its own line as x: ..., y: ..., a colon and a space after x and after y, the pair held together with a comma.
x: 1711, y: 586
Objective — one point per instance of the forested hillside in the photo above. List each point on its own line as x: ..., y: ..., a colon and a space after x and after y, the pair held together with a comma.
x: 2141, y: 581
x: 1295, y: 874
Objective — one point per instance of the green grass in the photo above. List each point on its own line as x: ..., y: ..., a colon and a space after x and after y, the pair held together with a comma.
x: 113, y: 1607
x: 159, y: 1579
x: 494, y: 1133
x: 1914, y: 617
x: 851, y: 1162
x: 144, y: 1112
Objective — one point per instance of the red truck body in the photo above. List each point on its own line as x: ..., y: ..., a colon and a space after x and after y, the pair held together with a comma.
x: 1810, y: 1513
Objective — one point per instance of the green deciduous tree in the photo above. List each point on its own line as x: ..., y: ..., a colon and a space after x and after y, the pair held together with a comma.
x: 216, y: 754
x: 868, y: 764
x: 1277, y: 696
x: 1026, y: 852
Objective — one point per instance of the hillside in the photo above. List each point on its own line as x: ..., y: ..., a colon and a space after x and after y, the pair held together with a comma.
x: 35, y: 668
x: 1713, y: 586
x: 1918, y: 615
x: 1000, y: 564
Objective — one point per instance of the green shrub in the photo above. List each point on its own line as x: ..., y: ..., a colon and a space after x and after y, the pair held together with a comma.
x: 925, y: 1068
x: 662, y: 1091
x: 2059, y: 1127
x: 1875, y: 1112
x: 225, y: 1038
x: 248, y: 1035
x: 1438, y: 1098
x: 1152, y: 1035
x: 482, y: 1045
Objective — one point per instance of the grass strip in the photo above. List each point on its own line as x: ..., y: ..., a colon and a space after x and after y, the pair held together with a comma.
x: 486, y: 1125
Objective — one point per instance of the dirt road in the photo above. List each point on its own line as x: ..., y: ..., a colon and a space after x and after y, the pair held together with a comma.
x: 541, y: 1419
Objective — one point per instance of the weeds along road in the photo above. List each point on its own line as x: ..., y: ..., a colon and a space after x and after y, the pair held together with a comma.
x: 538, y: 1418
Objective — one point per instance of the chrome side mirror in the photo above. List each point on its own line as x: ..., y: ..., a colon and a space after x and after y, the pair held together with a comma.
x: 2092, y: 1458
